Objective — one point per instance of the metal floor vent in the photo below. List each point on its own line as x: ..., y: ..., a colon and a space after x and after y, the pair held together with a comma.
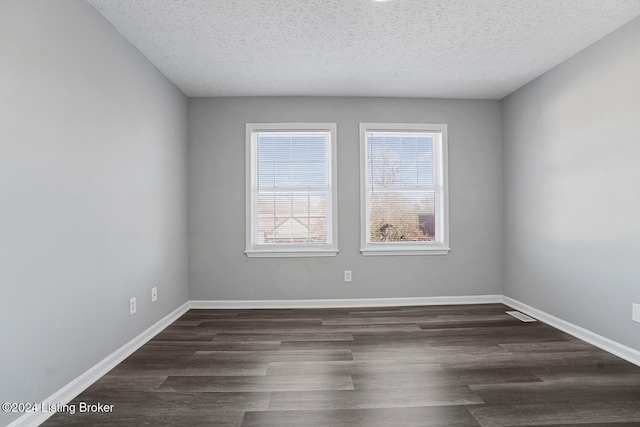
x: 520, y: 316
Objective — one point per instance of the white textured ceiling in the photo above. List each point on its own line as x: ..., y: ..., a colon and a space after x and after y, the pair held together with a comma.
x: 407, y: 48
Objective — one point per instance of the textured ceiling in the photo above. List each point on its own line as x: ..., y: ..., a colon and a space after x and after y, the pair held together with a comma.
x: 408, y: 48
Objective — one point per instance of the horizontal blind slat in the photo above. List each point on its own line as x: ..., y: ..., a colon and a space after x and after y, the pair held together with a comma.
x: 293, y: 193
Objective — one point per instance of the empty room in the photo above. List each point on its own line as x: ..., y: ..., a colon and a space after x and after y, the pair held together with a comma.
x: 319, y: 212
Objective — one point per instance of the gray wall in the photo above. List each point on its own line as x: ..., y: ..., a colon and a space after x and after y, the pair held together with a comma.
x: 218, y: 269
x: 92, y: 197
x: 571, y: 175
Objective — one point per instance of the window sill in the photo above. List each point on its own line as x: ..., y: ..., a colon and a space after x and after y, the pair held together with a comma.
x: 295, y: 253
x: 407, y: 251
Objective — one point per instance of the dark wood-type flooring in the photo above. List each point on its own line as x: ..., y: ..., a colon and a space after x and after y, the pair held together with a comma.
x: 469, y: 365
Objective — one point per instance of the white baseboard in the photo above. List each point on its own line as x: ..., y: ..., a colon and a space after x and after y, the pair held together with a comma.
x: 344, y: 303
x: 627, y: 353
x: 77, y: 386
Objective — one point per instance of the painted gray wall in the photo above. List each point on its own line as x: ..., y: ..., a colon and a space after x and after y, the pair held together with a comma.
x: 572, y: 203
x: 218, y: 268
x: 92, y: 194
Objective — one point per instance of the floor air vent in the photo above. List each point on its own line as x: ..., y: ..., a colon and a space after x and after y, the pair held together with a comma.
x: 520, y: 316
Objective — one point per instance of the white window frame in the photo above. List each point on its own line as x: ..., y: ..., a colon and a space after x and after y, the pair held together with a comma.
x: 294, y: 249
x: 440, y: 153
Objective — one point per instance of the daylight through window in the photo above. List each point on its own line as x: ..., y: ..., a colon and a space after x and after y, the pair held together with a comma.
x: 404, y: 194
x: 291, y: 190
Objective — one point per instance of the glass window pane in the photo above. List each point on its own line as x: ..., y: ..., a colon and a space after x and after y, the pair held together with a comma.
x: 266, y: 174
x: 291, y: 168
x: 283, y: 175
x: 397, y: 216
x: 318, y: 204
x: 265, y: 230
x: 300, y: 204
x: 405, y: 160
x: 409, y: 174
x: 266, y: 204
x: 282, y: 204
x: 318, y: 230
x: 425, y: 161
x: 265, y: 148
x: 282, y: 148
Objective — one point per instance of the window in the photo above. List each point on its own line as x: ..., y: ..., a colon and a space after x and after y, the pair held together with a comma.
x: 404, y: 199
x: 291, y: 197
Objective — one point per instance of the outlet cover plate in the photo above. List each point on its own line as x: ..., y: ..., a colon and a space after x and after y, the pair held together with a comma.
x: 636, y: 313
x: 132, y: 306
x: 347, y: 275
x: 154, y: 294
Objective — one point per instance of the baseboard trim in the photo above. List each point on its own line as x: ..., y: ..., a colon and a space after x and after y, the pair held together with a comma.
x: 627, y: 353
x: 77, y: 386
x: 344, y: 303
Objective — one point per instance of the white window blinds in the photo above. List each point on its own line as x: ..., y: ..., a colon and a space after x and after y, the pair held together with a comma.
x: 291, y: 193
x: 404, y: 191
x: 400, y: 182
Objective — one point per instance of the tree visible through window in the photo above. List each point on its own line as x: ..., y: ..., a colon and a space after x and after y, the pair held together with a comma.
x: 404, y: 193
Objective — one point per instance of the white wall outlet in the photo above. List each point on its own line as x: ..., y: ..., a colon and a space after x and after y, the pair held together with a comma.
x: 154, y: 294
x: 636, y: 313
x: 132, y: 306
x: 347, y: 275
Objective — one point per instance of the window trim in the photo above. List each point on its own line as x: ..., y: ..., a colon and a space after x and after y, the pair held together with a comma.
x: 289, y: 250
x: 442, y: 213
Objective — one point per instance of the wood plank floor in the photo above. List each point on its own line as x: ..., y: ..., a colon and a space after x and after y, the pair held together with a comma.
x: 458, y: 366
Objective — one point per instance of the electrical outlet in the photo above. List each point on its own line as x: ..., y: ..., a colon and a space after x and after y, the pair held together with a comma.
x: 636, y: 313
x: 132, y: 306
x: 347, y: 275
x: 154, y: 294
